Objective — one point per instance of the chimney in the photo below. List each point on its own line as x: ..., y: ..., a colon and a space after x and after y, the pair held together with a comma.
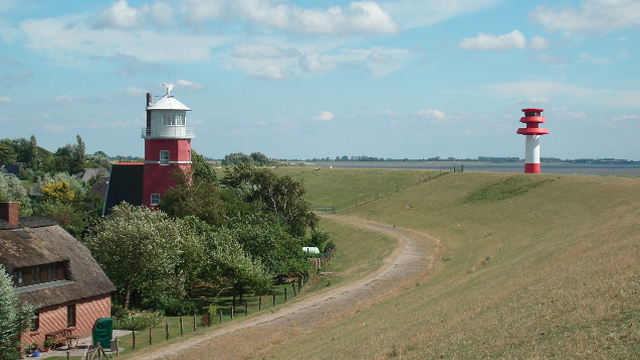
x: 10, y: 212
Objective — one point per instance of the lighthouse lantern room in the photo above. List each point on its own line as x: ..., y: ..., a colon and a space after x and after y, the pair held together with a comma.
x: 533, y: 118
x: 167, y: 145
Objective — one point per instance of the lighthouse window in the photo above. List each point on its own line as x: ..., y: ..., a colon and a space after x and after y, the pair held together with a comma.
x: 173, y: 120
x: 164, y: 157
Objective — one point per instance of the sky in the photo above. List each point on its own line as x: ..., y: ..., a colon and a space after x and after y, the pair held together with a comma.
x: 308, y: 78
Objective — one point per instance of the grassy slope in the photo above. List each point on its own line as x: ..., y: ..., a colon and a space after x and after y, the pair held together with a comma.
x: 328, y: 187
x: 550, y: 272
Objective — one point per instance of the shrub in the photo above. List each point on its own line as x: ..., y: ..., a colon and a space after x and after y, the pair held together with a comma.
x: 137, y: 320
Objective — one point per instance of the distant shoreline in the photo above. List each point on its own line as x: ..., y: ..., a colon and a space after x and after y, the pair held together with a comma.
x: 546, y: 168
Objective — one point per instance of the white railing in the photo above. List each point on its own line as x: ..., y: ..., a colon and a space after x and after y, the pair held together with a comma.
x: 169, y: 132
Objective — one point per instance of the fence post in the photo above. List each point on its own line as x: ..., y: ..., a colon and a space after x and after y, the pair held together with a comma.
x: 151, y: 334
x: 68, y: 355
x: 220, y: 316
x: 195, y: 325
x: 274, y: 299
x: 246, y: 309
x: 232, y: 311
x: 166, y: 326
x: 133, y: 332
x: 285, y: 294
x: 181, y: 326
x: 293, y: 285
x: 260, y: 303
x: 117, y: 347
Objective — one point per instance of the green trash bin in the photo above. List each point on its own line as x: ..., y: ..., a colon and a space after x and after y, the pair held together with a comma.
x: 103, y: 332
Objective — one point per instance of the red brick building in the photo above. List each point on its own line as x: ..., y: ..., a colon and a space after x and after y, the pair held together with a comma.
x: 54, y: 272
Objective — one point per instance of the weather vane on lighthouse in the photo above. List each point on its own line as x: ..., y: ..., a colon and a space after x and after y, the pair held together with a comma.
x: 169, y: 88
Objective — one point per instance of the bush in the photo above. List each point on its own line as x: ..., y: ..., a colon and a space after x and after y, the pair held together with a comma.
x: 172, y: 306
x: 137, y: 320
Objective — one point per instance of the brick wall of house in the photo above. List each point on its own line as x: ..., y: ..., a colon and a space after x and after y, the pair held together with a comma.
x: 54, y: 318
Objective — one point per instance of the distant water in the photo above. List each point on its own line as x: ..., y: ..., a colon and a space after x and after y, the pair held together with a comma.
x: 546, y: 168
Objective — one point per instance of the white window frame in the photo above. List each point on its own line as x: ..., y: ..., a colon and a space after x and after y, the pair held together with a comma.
x: 155, y: 199
x: 165, y: 157
x: 173, y: 120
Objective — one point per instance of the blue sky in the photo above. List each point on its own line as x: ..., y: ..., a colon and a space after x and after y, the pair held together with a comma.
x: 308, y: 78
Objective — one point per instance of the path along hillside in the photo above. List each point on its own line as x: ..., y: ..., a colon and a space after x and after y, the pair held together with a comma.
x: 532, y: 267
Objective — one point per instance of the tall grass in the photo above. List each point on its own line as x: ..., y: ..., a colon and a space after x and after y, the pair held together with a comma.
x: 533, y: 267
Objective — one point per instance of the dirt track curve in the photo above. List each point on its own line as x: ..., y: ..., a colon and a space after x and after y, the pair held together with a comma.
x: 415, y: 255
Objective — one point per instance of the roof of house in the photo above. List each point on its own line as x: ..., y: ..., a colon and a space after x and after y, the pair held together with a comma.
x: 41, y: 241
x: 125, y: 184
x: 168, y: 102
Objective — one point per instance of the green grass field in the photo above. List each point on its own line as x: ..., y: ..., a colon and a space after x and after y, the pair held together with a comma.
x: 533, y: 267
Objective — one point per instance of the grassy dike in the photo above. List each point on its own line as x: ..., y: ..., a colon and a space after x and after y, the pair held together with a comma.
x: 533, y: 267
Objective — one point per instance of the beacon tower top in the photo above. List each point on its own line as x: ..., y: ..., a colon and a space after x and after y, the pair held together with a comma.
x: 533, y: 118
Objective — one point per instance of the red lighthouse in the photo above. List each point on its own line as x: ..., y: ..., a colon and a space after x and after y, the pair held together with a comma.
x: 533, y: 118
x: 167, y: 145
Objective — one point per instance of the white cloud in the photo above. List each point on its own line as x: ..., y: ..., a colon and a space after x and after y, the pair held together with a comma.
x: 625, y: 117
x: 325, y: 116
x: 187, y: 85
x: 54, y: 37
x: 512, y: 40
x: 545, y: 58
x: 67, y: 100
x: 594, y: 59
x: 435, y: 115
x: 271, y: 72
x: 591, y: 16
x: 359, y: 18
x: 377, y: 56
x: 5, y: 100
x: 121, y: 16
x: 420, y: 13
x: 53, y: 128
x: 200, y: 11
x: 262, y: 51
x: 538, y: 43
x: 564, y: 113
x: 536, y: 100
x: 311, y: 62
x: 132, y: 66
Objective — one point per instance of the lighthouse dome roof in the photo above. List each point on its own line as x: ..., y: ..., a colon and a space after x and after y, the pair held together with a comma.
x: 168, y: 102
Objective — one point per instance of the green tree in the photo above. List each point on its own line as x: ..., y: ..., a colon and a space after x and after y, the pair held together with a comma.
x: 7, y: 153
x: 11, y: 189
x: 14, y: 319
x: 139, y: 250
x: 267, y: 242
x: 228, y: 265
x: 279, y: 195
x: 194, y: 195
x: 236, y: 158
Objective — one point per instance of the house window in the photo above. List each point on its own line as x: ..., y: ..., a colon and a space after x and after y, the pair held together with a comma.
x: 173, y: 120
x: 35, y: 275
x: 18, y: 276
x: 52, y: 273
x: 35, y: 322
x: 71, y: 316
x: 155, y: 199
x: 164, y: 157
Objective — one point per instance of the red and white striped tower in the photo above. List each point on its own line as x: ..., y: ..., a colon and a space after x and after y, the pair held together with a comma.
x: 167, y: 145
x: 533, y: 118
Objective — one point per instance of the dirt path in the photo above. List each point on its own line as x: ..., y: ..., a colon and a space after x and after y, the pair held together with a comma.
x: 415, y: 255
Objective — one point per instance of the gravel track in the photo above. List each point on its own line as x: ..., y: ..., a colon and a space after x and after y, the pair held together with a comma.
x: 416, y: 253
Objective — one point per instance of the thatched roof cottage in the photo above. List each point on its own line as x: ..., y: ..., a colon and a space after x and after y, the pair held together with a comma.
x: 54, y: 272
